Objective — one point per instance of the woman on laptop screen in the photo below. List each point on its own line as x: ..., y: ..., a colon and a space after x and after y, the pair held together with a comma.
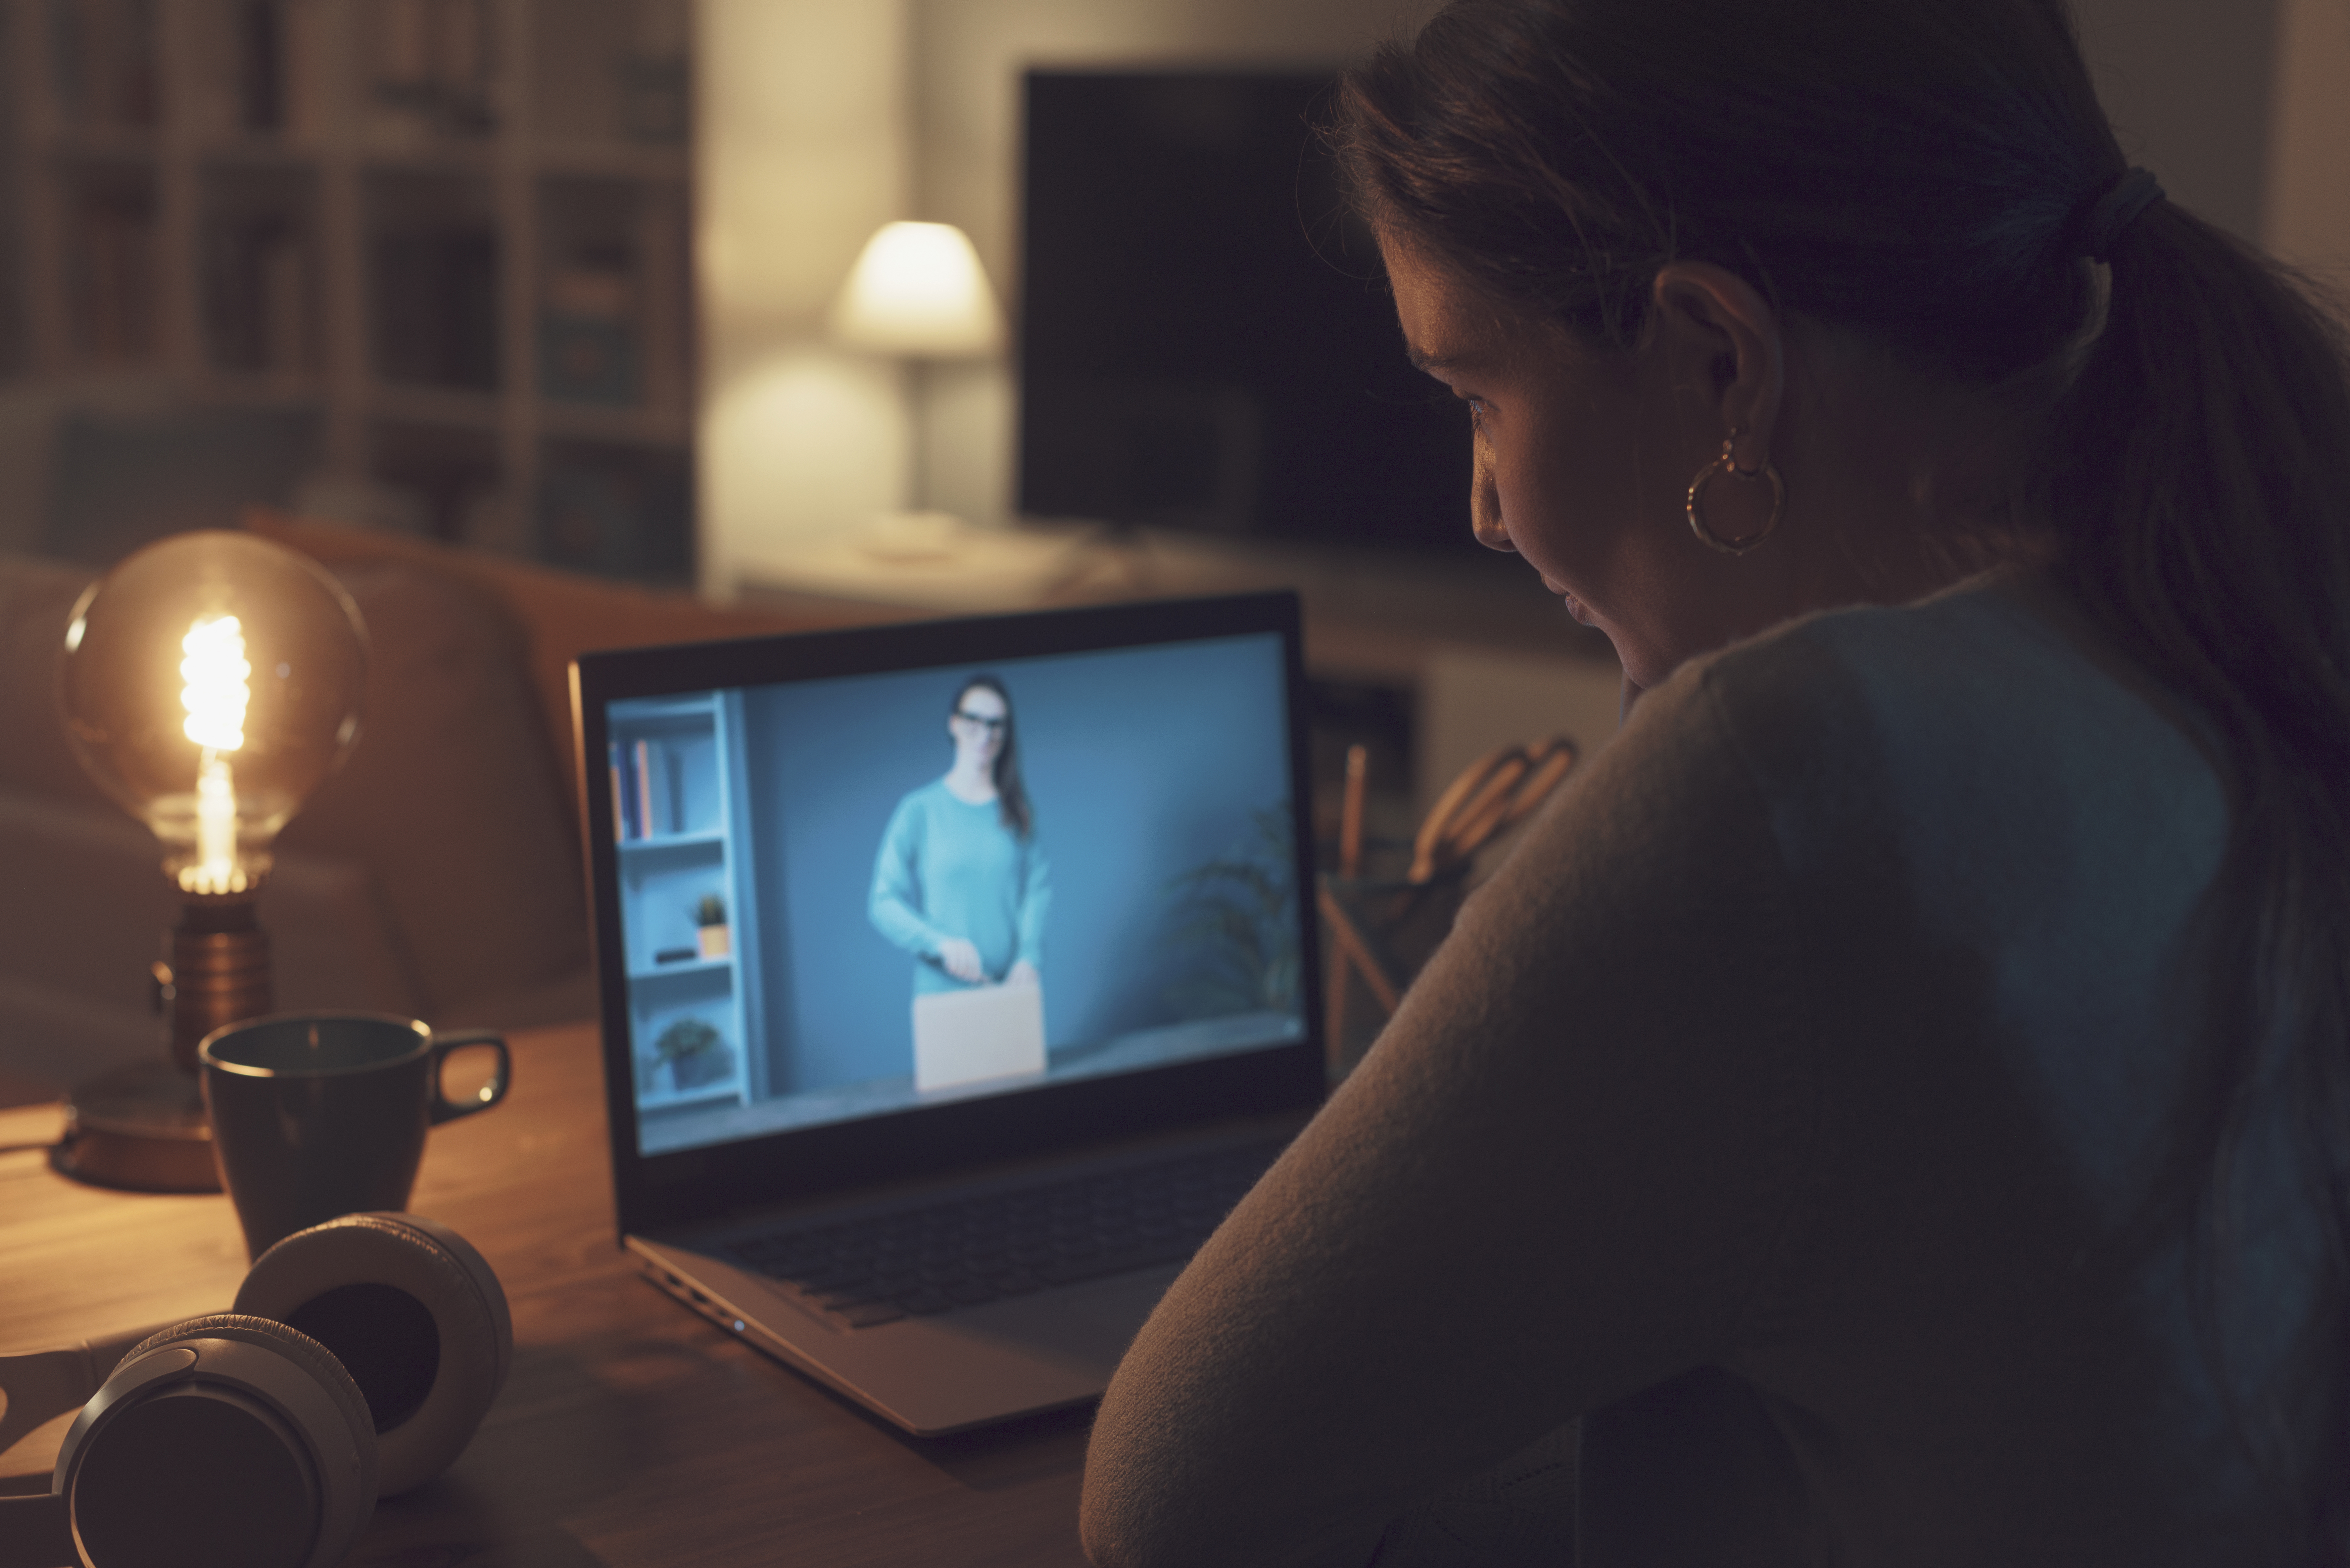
x: 961, y: 882
x: 1896, y: 1102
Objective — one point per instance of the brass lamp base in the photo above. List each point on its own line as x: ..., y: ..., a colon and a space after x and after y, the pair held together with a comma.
x: 143, y: 1126
x: 219, y: 971
x: 140, y: 1126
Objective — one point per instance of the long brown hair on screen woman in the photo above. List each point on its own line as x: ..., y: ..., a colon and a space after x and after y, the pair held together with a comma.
x: 1011, y: 793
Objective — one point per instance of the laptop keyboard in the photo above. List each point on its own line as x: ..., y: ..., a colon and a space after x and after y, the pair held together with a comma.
x: 969, y: 1250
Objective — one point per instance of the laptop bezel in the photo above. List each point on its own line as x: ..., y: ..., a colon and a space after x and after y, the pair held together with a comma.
x: 691, y: 1185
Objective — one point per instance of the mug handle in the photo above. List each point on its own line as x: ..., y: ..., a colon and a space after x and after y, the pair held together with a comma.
x: 445, y: 1109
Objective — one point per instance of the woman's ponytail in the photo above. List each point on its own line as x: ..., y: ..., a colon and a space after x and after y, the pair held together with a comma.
x: 2198, y: 471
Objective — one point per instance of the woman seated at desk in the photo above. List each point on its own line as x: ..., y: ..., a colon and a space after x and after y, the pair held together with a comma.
x: 1895, y: 1097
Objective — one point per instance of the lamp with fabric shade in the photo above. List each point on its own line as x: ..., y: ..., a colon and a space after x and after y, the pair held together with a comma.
x: 917, y: 293
x: 918, y: 290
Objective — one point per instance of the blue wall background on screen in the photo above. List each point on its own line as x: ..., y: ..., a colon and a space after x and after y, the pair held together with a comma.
x: 1141, y: 763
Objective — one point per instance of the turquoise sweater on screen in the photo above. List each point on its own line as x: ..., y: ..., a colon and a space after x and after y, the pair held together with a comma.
x: 950, y: 868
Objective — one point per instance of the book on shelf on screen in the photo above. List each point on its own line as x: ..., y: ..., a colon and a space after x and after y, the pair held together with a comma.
x: 644, y: 790
x: 622, y: 777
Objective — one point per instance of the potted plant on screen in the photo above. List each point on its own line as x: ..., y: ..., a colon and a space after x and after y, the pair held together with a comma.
x: 695, y: 1053
x: 710, y: 921
x: 1236, y: 920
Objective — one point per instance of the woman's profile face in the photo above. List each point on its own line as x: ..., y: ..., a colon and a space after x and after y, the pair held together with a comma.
x: 977, y: 725
x: 1582, y: 459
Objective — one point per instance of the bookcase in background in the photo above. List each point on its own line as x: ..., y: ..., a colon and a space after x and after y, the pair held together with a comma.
x: 452, y: 234
x: 681, y: 828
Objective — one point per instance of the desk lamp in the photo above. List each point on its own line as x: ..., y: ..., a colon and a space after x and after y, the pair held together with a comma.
x: 917, y: 293
x: 209, y: 683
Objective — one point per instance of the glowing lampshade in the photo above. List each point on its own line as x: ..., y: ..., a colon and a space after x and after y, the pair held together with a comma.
x: 918, y: 289
x: 209, y: 683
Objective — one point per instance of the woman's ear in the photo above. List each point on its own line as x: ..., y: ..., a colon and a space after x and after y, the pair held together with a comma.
x: 1724, y: 348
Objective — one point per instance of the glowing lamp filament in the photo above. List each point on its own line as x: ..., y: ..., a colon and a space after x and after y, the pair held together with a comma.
x: 215, y: 694
x: 215, y: 697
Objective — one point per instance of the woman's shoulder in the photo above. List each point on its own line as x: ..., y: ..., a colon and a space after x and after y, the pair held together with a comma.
x: 1991, y: 651
x: 1990, y: 701
x: 1981, y: 637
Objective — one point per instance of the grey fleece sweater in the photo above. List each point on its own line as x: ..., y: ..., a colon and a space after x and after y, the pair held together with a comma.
x: 1778, y: 1108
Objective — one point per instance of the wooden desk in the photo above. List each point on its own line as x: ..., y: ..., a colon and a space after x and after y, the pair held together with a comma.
x: 630, y: 1432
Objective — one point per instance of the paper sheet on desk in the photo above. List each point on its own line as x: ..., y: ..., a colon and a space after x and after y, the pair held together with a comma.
x: 986, y: 1032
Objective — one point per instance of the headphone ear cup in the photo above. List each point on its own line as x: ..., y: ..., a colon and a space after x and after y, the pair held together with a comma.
x: 348, y: 1499
x: 304, y: 1352
x: 477, y: 1271
x: 417, y: 1317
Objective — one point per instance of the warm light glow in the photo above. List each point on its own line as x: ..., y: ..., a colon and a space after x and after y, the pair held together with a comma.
x: 214, y: 868
x: 209, y: 683
x: 216, y: 695
x: 919, y: 289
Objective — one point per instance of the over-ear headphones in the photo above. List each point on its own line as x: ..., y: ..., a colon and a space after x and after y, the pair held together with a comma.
x: 358, y: 1359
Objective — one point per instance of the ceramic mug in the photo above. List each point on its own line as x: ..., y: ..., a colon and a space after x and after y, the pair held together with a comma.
x: 320, y: 1114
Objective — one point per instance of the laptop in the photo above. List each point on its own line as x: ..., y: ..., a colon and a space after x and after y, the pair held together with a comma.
x: 956, y: 980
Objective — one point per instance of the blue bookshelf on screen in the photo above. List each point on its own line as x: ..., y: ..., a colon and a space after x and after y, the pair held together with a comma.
x: 681, y: 831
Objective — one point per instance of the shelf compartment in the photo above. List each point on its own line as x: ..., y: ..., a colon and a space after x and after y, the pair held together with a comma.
x: 429, y: 69
x: 434, y: 406
x: 110, y: 213
x: 106, y: 142
x: 123, y: 480
x: 612, y: 300
x: 604, y: 160
x: 682, y: 967
x: 661, y: 1009
x: 728, y: 1088
x: 641, y: 710
x: 253, y: 70
x: 661, y: 429
x: 612, y: 71
x: 432, y: 256
x: 261, y: 152
x: 259, y: 239
x: 103, y: 63
x: 664, y: 768
x: 615, y: 511
x: 449, y: 476
x: 709, y: 839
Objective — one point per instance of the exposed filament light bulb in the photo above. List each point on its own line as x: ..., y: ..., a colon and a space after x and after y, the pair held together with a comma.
x: 210, y: 682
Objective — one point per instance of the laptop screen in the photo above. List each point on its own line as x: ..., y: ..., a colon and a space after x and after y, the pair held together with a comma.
x: 847, y: 894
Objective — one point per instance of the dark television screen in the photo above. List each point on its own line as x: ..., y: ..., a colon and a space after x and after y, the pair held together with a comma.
x: 1207, y: 341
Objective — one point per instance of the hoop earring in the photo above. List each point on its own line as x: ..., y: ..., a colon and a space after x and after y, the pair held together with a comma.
x: 1726, y: 464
